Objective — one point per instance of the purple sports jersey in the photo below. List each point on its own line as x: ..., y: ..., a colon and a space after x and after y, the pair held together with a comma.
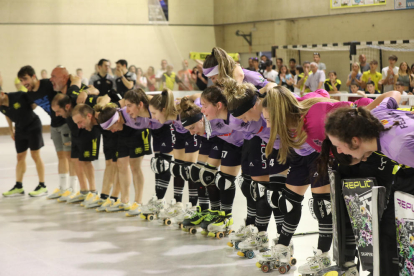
x: 254, y: 78
x: 220, y: 129
x: 178, y: 126
x: 397, y: 143
x: 141, y: 122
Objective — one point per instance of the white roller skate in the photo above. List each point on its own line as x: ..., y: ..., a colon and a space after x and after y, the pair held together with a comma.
x: 258, y: 241
x: 221, y: 227
x: 183, y: 214
x: 241, y: 234
x: 153, y: 210
x: 171, y: 210
x: 315, y: 264
x: 145, y: 207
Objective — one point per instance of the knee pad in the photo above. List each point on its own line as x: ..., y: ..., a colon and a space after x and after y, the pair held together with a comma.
x: 225, y: 181
x: 320, y: 206
x: 194, y: 171
x: 247, y: 186
x: 161, y: 164
x: 185, y: 170
x: 207, y: 175
x: 176, y: 167
x: 289, y: 201
x: 261, y: 188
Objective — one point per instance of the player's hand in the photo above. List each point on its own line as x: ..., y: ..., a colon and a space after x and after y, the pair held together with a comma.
x: 81, y: 98
x: 92, y: 90
x: 118, y: 73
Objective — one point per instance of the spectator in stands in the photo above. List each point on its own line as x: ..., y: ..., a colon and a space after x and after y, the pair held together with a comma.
x: 269, y: 73
x: 255, y: 64
x: 133, y: 69
x: 151, y: 81
x: 185, y: 76
x: 371, y: 88
x: 292, y: 66
x: 285, y: 78
x: 399, y: 86
x: 160, y: 73
x: 371, y: 75
x: 304, y: 77
x: 363, y: 63
x: 332, y: 84
x: 412, y: 79
x: 251, y: 67
x: 279, y: 63
x: 388, y: 74
x: 317, y: 60
x: 355, y: 90
x: 264, y: 58
x: 43, y: 74
x: 79, y: 73
x: 354, y: 77
x: 142, y: 81
x: 403, y: 76
x: 298, y: 76
x: 169, y: 78
x: 315, y: 80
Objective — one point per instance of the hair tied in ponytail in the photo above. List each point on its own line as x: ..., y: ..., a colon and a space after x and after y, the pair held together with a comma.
x: 164, y: 92
x: 261, y: 95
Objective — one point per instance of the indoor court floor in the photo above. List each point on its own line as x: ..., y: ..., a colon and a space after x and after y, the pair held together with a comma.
x: 43, y: 237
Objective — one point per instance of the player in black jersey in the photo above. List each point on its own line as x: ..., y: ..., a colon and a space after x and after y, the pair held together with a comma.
x: 18, y: 108
x: 41, y: 93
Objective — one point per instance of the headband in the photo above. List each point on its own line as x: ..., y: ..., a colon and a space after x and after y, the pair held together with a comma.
x: 212, y: 71
x: 111, y: 121
x: 243, y: 108
x: 191, y: 120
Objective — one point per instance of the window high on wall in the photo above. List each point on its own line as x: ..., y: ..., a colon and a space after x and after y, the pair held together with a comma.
x: 158, y: 11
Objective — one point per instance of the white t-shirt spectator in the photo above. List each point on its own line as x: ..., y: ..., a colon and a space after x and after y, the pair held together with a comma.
x: 314, y: 79
x: 271, y: 75
x: 389, y: 87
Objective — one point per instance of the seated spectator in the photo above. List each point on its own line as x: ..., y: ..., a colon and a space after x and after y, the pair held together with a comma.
x: 388, y: 74
x: 403, y: 77
x: 363, y: 63
x: 292, y: 66
x: 315, y: 80
x: 296, y: 79
x: 269, y: 73
x: 371, y: 88
x: 400, y: 88
x: 256, y: 64
x: 79, y: 73
x: 151, y: 80
x: 317, y: 60
x: 371, y: 75
x: 354, y: 77
x: 332, y: 85
x: 43, y: 74
x: 169, y: 78
x: 251, y: 67
x: 133, y: 69
x: 264, y: 58
x: 279, y: 63
x: 185, y: 77
x: 141, y: 80
x: 285, y: 78
x: 354, y: 90
x: 303, y: 77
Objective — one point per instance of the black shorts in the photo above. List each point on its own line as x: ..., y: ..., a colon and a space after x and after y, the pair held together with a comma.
x: 231, y: 155
x: 302, y: 171
x: 163, y: 139
x: 274, y: 166
x: 211, y: 147
x: 32, y: 139
x: 85, y: 147
x: 254, y: 161
x: 137, y: 144
x: 186, y: 141
x: 110, y: 143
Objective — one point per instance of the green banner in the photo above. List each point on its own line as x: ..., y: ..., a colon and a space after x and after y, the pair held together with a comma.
x: 340, y: 4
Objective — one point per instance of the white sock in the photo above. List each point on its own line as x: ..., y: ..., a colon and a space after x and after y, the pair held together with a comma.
x: 73, y: 183
x: 63, y: 181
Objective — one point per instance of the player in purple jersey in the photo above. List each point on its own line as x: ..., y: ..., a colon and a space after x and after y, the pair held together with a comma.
x: 186, y: 146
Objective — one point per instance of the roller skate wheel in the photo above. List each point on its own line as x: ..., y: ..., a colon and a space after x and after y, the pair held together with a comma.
x: 241, y: 254
x: 265, y: 268
x: 150, y: 217
x: 259, y: 265
x: 219, y: 235
x: 282, y: 269
x: 167, y: 222
x: 193, y: 231
x: 249, y: 254
x: 288, y: 268
x: 143, y: 216
x: 230, y: 244
x: 236, y: 245
x: 293, y: 261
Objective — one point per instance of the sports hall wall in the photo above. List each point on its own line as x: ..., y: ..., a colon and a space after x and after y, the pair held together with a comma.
x: 78, y: 33
x: 309, y: 22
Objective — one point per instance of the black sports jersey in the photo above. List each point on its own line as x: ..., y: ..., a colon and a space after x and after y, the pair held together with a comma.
x: 20, y: 112
x: 104, y: 84
x: 43, y: 97
x: 120, y: 86
x: 74, y: 90
x: 75, y: 131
